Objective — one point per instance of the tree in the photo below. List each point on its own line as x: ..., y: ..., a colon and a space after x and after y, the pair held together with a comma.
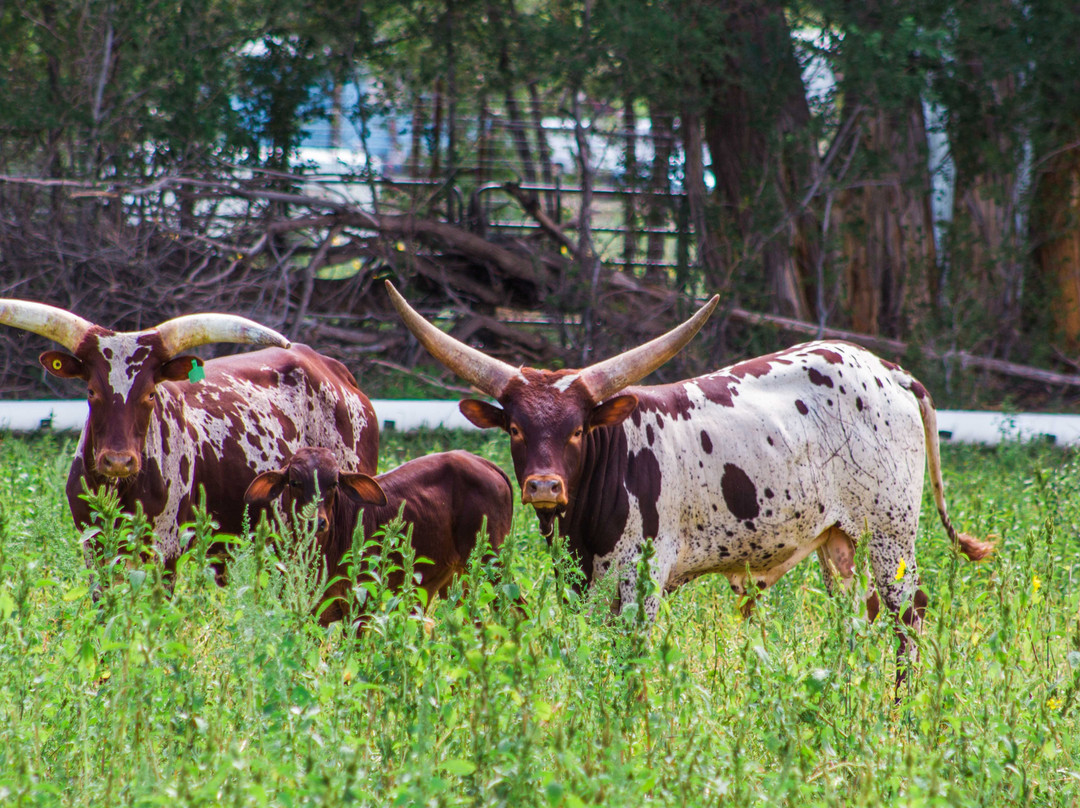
x: 1055, y: 137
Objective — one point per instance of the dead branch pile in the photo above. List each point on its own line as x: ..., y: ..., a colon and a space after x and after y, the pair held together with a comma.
x: 309, y: 263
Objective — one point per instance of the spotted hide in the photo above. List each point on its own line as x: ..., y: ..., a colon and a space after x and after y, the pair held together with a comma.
x: 447, y: 499
x: 162, y: 426
x: 742, y: 472
x: 748, y: 470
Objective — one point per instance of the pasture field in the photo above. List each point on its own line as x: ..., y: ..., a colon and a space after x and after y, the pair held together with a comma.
x: 235, y: 696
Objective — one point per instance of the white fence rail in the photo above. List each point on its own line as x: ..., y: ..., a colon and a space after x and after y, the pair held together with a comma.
x: 958, y: 426
x: 29, y: 416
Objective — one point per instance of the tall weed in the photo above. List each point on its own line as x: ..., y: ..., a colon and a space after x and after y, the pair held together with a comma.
x: 519, y: 688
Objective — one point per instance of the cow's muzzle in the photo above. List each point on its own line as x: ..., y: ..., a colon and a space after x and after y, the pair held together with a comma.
x: 544, y: 492
x: 118, y: 465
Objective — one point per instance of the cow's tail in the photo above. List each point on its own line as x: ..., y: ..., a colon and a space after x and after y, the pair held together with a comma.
x: 971, y: 547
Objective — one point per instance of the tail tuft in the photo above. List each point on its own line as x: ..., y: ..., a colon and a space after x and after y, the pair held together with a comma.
x: 974, y: 549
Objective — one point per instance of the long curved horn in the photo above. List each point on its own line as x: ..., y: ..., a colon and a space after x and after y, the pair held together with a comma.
x: 59, y: 325
x: 193, y: 330
x: 475, y: 367
x: 610, y: 376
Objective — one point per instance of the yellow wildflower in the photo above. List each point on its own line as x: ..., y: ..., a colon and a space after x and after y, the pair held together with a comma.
x: 1053, y: 703
x: 900, y: 570
x: 1036, y: 582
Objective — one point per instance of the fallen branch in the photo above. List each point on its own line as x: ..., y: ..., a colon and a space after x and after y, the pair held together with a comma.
x: 967, y: 360
x: 535, y: 344
x: 892, y: 347
x: 530, y: 203
x: 449, y: 387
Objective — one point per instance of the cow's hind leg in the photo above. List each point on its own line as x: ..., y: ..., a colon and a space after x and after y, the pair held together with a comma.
x: 896, y: 573
x: 836, y: 555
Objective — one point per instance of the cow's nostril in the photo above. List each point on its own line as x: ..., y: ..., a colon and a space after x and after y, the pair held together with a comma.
x: 118, y: 464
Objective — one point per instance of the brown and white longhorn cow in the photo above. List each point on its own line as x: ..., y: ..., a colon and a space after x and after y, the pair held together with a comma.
x: 744, y: 472
x: 447, y: 498
x: 157, y: 437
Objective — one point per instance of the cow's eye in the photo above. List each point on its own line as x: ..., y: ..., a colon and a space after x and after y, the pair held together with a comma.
x: 515, y: 432
x: 294, y: 483
x: 579, y: 432
x: 150, y: 397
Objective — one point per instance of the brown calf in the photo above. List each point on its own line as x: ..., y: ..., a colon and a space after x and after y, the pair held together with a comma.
x: 447, y: 497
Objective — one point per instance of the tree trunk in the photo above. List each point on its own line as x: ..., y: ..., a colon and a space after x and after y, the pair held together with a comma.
x: 1056, y: 226
x: 763, y: 155
x: 659, y: 204
x: 451, y: 93
x: 518, y: 136
x: 985, y: 250
x: 515, y: 117
x: 416, y: 139
x: 542, y: 148
x: 697, y: 195
x: 436, y: 132
x: 887, y: 226
x: 630, y: 190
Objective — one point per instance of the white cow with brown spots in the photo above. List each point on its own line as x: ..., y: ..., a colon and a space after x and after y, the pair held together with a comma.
x: 744, y: 472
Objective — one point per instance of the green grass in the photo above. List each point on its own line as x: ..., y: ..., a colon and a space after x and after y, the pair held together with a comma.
x: 235, y: 696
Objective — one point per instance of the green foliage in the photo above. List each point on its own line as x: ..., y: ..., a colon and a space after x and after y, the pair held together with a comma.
x: 518, y: 689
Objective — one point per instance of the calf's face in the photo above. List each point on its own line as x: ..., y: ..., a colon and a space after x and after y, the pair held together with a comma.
x: 312, y: 476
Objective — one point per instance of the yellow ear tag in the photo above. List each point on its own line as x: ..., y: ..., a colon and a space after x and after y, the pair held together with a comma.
x: 196, y: 374
x: 57, y: 364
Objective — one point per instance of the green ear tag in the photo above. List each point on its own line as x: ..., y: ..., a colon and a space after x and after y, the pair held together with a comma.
x: 196, y: 374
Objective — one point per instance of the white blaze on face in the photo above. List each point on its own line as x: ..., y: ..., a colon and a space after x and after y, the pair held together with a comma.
x: 121, y: 351
x: 562, y: 384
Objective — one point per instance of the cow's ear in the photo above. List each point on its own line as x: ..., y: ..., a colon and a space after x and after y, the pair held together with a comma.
x: 484, y: 415
x: 613, y: 411
x: 177, y: 369
x: 63, y: 365
x: 361, y: 488
x: 265, y: 488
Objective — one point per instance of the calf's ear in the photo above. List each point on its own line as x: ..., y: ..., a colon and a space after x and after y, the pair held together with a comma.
x: 63, y: 365
x: 265, y: 488
x: 361, y: 489
x: 613, y: 411
x: 483, y: 415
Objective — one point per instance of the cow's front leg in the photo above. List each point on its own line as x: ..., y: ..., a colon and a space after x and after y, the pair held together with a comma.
x: 640, y: 596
